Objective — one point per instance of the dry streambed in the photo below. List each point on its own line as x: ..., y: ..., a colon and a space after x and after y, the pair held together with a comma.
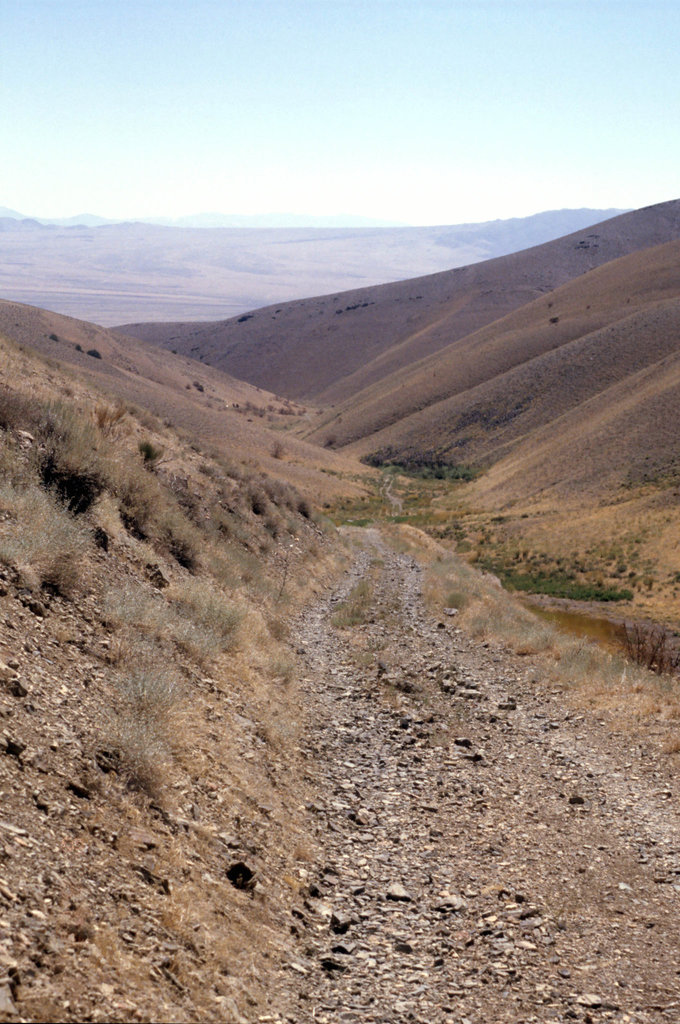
x: 485, y: 853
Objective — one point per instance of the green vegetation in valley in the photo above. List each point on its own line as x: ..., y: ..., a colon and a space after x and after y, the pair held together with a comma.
x: 555, y: 585
x: 424, y: 469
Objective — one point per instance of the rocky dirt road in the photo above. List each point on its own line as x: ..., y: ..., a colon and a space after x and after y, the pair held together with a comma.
x: 486, y: 853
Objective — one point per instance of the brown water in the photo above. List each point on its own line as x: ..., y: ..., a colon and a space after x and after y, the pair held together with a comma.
x: 591, y: 627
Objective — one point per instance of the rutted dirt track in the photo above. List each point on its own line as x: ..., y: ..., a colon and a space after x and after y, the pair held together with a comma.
x: 487, y: 854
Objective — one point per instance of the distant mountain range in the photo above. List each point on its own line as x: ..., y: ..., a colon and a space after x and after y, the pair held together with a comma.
x: 112, y: 273
x: 213, y: 220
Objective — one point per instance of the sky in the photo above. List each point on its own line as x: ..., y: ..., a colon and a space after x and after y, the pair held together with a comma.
x: 408, y: 111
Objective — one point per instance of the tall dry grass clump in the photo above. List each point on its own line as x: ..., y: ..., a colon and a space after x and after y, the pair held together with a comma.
x: 40, y: 538
x: 149, y: 717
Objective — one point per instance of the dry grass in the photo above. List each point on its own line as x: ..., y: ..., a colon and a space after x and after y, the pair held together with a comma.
x: 354, y: 610
x: 148, y: 724
x: 109, y: 419
x: 282, y: 669
x: 194, y: 615
x: 201, y: 621
x: 135, y: 607
x: 40, y: 539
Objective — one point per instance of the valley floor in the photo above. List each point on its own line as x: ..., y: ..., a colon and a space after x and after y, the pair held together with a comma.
x: 485, y: 853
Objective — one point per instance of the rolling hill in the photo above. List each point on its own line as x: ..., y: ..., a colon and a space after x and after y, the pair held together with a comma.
x: 241, y: 421
x: 475, y: 399
x: 327, y: 349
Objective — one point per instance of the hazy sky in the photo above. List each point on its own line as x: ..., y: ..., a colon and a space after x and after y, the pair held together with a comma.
x: 419, y: 111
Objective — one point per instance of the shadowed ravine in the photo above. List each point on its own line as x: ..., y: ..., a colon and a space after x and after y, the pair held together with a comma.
x: 485, y: 854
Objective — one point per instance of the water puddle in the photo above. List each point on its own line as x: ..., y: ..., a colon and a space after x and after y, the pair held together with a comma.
x: 591, y: 627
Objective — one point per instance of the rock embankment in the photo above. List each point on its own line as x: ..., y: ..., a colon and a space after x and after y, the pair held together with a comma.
x: 486, y: 853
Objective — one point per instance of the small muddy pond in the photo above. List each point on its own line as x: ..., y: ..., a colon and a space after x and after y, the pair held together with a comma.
x: 592, y: 627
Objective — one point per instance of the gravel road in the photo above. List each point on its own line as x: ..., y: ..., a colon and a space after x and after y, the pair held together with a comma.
x: 485, y: 852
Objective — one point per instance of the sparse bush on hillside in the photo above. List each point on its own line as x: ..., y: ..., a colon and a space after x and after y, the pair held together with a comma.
x: 652, y: 647
x: 202, y: 603
x: 135, y: 607
x: 77, y: 483
x: 282, y: 669
x: 257, y: 499
x: 18, y: 412
x: 68, y: 460
x: 149, y: 452
x: 274, y: 525
x: 153, y: 688
x: 174, y: 532
x: 138, y: 499
x: 304, y: 508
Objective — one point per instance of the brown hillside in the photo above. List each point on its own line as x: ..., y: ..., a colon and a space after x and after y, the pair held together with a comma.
x: 237, y: 419
x: 331, y: 347
x: 476, y: 399
x: 626, y: 434
x: 149, y: 710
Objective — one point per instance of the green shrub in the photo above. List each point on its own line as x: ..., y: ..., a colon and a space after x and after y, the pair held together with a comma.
x: 149, y: 452
x: 174, y: 532
x: 555, y: 585
x: 423, y: 468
